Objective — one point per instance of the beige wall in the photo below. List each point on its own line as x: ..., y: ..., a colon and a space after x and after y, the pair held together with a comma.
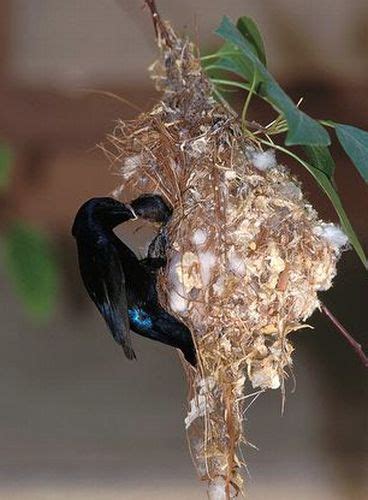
x: 79, y: 42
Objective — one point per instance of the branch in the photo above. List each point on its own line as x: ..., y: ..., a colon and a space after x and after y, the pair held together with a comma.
x: 353, y: 343
x: 159, y: 26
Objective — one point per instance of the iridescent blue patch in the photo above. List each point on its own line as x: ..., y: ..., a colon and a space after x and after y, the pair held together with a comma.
x: 139, y: 318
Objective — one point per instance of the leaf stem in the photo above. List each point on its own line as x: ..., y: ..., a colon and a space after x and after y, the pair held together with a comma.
x: 230, y: 83
x: 217, y: 56
x: 327, y: 123
x: 248, y: 99
x: 239, y: 85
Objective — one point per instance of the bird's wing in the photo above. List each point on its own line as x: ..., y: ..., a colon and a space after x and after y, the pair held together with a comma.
x: 104, y: 279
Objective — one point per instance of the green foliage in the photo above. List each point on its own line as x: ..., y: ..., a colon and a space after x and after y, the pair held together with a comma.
x: 229, y: 58
x: 302, y: 129
x: 32, y: 267
x: 250, y: 31
x: 28, y: 258
x: 243, y: 55
x: 355, y: 142
x: 321, y: 159
x: 5, y: 166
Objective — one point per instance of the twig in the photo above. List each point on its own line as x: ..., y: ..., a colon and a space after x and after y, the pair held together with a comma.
x: 353, y: 343
x: 159, y: 26
x: 113, y: 96
x: 254, y: 125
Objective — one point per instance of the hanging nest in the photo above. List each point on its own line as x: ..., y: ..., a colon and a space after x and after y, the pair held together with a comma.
x: 246, y: 257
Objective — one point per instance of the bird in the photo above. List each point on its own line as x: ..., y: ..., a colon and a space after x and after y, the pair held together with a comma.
x: 123, y: 287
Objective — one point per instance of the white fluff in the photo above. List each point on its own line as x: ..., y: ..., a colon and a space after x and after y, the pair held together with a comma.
x: 199, y: 146
x: 173, y: 276
x: 291, y: 190
x: 217, y: 489
x: 178, y: 303
x: 206, y: 384
x: 230, y: 175
x: 199, y: 237
x: 333, y: 234
x: 236, y: 263
x: 199, y: 405
x: 264, y: 160
x: 219, y: 285
x: 207, y: 260
x: 177, y: 297
x: 130, y: 164
x: 197, y: 409
x: 266, y: 379
x: 174, y: 166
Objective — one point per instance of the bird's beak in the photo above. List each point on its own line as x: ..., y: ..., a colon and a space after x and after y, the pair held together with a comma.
x: 134, y: 214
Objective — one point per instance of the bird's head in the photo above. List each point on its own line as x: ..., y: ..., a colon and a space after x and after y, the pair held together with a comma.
x: 108, y: 213
x: 105, y: 212
x: 151, y: 207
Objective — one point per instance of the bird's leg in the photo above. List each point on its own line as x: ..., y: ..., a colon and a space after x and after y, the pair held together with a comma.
x: 156, y: 256
x: 153, y: 208
x: 157, y: 247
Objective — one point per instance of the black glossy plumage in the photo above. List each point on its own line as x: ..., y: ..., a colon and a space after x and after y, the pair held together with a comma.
x: 122, y: 287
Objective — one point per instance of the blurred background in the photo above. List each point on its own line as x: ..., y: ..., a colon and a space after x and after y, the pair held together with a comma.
x: 76, y: 417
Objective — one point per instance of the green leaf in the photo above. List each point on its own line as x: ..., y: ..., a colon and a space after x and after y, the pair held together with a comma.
x: 229, y: 58
x: 230, y: 33
x: 5, y: 165
x: 355, y: 143
x: 236, y: 65
x: 302, y: 128
x: 250, y: 31
x: 32, y: 267
x: 320, y: 158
